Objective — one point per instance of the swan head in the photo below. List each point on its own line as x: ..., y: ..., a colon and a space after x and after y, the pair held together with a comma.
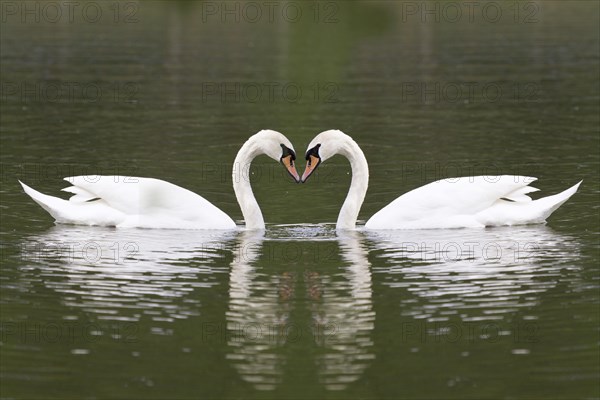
x: 279, y: 148
x: 324, y: 146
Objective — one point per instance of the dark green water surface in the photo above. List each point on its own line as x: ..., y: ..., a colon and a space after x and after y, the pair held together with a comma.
x: 171, y: 90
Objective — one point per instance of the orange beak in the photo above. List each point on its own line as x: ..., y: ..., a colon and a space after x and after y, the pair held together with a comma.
x: 311, y: 164
x: 288, y: 163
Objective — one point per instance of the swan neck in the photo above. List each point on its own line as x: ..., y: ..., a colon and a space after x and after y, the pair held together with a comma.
x: 240, y: 176
x: 358, y: 186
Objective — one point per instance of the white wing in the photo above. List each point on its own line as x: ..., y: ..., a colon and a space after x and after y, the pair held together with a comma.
x: 132, y: 202
x: 475, y: 201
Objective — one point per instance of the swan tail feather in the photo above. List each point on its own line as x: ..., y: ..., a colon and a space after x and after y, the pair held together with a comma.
x: 547, y: 205
x: 53, y: 205
x: 522, y: 211
x: 76, y: 211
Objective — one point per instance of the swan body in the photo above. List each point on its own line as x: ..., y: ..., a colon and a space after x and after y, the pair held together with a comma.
x: 122, y: 201
x: 131, y: 202
x: 475, y: 201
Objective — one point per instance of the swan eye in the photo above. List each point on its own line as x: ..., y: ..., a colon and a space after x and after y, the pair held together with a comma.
x: 286, y: 151
x: 314, y: 152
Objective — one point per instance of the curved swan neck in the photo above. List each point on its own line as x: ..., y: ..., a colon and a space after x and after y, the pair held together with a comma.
x: 358, y: 186
x: 240, y: 177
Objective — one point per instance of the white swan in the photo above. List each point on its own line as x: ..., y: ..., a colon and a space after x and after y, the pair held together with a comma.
x: 476, y: 201
x: 152, y: 203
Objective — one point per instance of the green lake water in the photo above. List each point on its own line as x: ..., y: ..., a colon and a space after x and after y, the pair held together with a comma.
x: 170, y: 90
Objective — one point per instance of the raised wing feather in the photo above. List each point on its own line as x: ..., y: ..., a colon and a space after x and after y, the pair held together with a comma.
x: 80, y: 195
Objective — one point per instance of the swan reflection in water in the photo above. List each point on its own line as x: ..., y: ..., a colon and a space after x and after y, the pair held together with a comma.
x: 122, y: 274
x: 492, y: 277
x: 254, y: 316
x: 349, y: 348
x: 261, y: 302
x: 443, y: 275
x: 435, y: 276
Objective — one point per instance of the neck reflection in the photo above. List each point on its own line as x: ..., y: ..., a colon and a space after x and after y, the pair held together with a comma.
x: 269, y: 313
